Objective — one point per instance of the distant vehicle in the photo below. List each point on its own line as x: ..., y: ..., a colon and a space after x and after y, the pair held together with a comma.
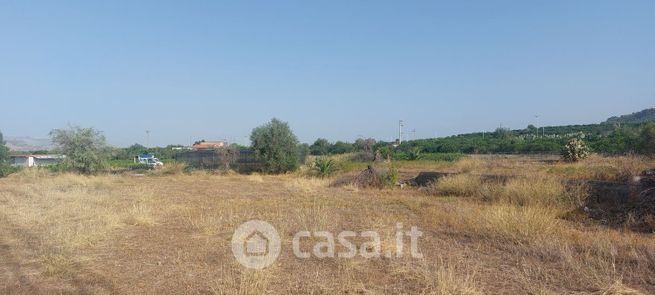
x: 148, y: 159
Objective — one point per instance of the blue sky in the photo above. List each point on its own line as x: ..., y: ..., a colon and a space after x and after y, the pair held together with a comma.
x: 334, y: 69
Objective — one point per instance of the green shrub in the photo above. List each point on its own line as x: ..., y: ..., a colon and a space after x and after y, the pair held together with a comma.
x: 5, y: 168
x: 85, y: 149
x: 324, y: 167
x: 341, y: 147
x: 413, y: 154
x: 647, y: 140
x: 576, y: 149
x: 390, y: 177
x: 276, y: 146
x: 320, y: 147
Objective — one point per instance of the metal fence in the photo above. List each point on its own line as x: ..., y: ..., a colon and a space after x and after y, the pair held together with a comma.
x: 209, y: 159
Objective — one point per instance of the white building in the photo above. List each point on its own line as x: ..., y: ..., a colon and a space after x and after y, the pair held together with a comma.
x: 36, y: 160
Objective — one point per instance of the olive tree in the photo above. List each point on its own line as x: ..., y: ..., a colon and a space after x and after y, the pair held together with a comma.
x: 276, y: 146
x: 85, y: 149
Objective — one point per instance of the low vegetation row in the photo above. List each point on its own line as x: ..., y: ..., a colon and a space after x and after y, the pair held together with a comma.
x: 275, y: 149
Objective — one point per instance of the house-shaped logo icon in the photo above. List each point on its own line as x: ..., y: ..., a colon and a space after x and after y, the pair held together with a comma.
x: 256, y: 244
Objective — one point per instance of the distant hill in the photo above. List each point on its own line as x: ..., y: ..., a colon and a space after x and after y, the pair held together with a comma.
x: 647, y: 115
x: 25, y: 144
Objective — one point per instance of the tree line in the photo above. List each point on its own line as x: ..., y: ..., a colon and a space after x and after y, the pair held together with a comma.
x: 278, y: 148
x: 601, y: 138
x: 86, y: 150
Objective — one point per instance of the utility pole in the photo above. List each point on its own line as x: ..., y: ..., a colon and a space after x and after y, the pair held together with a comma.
x: 537, y: 119
x: 147, y: 138
x: 414, y: 134
x: 400, y: 132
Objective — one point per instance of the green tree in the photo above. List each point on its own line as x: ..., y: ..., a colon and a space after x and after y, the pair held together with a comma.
x: 85, y: 149
x: 320, y: 147
x: 647, y: 140
x: 276, y: 146
x: 341, y: 147
x: 5, y: 168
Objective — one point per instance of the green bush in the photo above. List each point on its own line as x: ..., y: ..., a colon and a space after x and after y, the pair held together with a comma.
x: 390, y: 177
x: 341, y: 147
x: 647, y: 140
x: 576, y: 149
x: 5, y: 167
x: 324, y: 167
x: 85, y: 149
x: 413, y: 154
x: 320, y: 147
x: 276, y: 146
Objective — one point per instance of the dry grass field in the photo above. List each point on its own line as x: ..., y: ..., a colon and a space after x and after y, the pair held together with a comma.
x: 171, y: 233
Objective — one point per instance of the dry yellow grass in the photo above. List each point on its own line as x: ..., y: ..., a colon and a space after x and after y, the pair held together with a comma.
x: 68, y: 212
x: 537, y: 189
x: 171, y: 234
x: 459, y: 185
x: 171, y: 169
x: 594, y: 257
x: 533, y: 190
x: 596, y: 167
x: 449, y: 275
